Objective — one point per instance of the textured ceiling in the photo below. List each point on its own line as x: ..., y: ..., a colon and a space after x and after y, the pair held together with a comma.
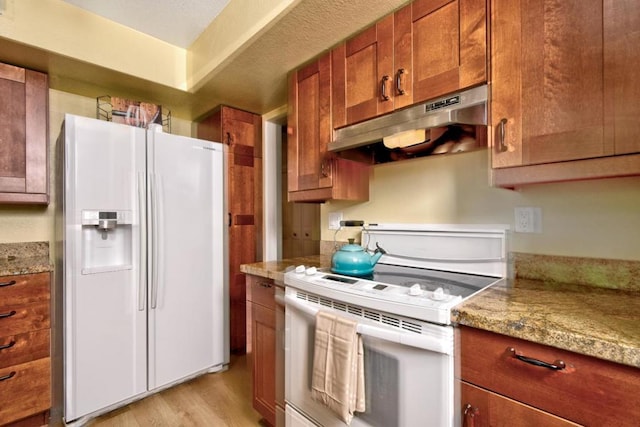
x: 178, y: 22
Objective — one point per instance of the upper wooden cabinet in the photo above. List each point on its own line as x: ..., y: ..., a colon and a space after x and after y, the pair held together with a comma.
x: 427, y: 49
x: 24, y: 138
x: 314, y: 174
x: 564, y: 100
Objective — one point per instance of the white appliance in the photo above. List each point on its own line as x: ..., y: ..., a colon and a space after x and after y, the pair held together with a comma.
x: 145, y: 296
x: 403, y: 317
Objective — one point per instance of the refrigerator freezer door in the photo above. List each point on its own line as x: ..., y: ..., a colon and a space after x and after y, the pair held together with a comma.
x: 105, y: 332
x: 187, y: 315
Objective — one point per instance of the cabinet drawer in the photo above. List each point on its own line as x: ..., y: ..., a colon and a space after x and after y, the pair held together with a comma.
x: 22, y: 348
x: 26, y: 390
x: 490, y: 409
x: 261, y: 291
x: 23, y: 289
x: 24, y: 318
x: 588, y: 390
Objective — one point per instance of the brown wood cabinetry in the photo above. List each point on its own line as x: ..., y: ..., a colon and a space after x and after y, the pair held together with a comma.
x: 262, y: 308
x: 25, y: 362
x: 427, y: 49
x: 242, y: 132
x: 500, y: 389
x: 24, y: 136
x: 314, y: 174
x: 564, y: 90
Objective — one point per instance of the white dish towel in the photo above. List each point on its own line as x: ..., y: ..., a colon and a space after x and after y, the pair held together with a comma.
x: 338, y: 366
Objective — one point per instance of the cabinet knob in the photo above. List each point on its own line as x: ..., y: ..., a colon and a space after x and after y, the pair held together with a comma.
x: 469, y: 415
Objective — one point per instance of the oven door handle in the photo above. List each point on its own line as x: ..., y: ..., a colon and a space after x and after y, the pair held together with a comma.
x: 412, y: 339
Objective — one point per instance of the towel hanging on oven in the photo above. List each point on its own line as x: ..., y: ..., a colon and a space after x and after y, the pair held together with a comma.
x: 338, y: 366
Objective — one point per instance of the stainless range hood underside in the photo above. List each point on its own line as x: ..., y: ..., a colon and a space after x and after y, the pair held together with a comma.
x: 465, y: 108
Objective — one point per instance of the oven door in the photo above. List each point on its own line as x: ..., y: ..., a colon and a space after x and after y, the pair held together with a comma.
x: 409, y: 378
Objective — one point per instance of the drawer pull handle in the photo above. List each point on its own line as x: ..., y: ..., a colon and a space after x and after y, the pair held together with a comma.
x: 265, y: 285
x: 3, y: 284
x: 5, y: 346
x: 8, y: 377
x: 9, y: 314
x: 558, y: 365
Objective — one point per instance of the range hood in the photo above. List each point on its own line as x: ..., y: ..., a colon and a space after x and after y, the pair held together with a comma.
x: 464, y: 108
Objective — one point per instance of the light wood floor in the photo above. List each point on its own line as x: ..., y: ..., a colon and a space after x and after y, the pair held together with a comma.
x: 221, y: 399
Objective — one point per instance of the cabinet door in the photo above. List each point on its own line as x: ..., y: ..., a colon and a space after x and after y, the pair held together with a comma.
x: 310, y: 126
x: 449, y: 46
x: 263, y: 331
x: 481, y: 408
x: 622, y: 62
x: 363, y: 75
x: 241, y: 130
x: 564, y: 89
x: 548, y: 81
x: 24, y: 176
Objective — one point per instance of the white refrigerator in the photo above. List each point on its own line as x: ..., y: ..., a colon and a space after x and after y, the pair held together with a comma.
x: 144, y: 236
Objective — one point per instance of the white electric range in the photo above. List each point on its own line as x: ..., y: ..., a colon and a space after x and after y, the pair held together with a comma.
x: 403, y: 313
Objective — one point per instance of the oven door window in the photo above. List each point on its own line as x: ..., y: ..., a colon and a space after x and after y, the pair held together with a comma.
x: 404, y: 385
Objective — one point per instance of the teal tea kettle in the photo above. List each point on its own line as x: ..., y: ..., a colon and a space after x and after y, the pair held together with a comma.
x: 352, y: 259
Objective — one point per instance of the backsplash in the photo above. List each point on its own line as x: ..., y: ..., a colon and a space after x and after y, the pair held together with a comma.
x: 598, y: 272
x: 24, y: 250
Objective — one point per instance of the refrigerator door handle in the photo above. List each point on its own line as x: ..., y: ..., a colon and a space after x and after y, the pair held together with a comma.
x: 153, y: 241
x: 142, y: 244
x: 158, y: 210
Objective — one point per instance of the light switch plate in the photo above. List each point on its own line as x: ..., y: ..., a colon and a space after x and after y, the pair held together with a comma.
x: 334, y: 220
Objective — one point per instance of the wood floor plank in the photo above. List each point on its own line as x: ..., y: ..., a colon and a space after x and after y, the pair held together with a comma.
x: 222, y: 399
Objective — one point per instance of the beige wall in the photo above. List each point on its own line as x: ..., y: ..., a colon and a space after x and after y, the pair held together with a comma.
x: 35, y: 223
x: 599, y: 218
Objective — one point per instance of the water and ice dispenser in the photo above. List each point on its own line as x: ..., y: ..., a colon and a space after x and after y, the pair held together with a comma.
x: 106, y: 241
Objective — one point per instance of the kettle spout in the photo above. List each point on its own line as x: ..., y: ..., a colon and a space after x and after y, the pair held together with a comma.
x: 377, y: 254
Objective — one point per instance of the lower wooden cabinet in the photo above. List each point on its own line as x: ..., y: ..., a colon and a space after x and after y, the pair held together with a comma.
x: 262, y: 346
x: 512, y: 382
x: 25, y: 362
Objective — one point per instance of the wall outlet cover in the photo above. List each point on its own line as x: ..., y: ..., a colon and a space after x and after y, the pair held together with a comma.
x: 528, y: 220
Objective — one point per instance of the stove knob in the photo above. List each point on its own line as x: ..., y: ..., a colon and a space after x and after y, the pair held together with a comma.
x: 415, y: 290
x: 310, y: 271
x: 300, y: 269
x: 438, y: 295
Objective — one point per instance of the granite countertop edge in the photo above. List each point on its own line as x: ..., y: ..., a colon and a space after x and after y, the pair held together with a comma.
x: 587, y: 320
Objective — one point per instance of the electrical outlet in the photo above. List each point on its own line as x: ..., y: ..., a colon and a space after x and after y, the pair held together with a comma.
x: 528, y: 220
x: 334, y: 220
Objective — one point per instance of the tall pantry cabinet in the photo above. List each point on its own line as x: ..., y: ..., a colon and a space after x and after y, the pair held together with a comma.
x: 242, y: 132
